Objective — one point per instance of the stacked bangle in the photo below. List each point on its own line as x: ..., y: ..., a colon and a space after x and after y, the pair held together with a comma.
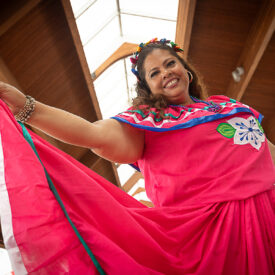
x: 24, y: 114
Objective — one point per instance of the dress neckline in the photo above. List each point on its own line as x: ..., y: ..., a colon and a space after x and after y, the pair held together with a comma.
x: 207, y: 105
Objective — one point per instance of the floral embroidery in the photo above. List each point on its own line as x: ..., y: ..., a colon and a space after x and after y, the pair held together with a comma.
x: 156, y: 118
x: 180, y: 113
x: 181, y: 117
x: 243, y: 131
x: 226, y: 130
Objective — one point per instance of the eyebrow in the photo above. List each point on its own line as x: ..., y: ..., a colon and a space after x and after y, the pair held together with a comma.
x: 165, y: 61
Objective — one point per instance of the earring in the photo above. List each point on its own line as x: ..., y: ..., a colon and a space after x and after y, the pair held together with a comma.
x: 190, y: 76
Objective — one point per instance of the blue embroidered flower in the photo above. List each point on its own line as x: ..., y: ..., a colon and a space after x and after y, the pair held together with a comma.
x: 247, y: 131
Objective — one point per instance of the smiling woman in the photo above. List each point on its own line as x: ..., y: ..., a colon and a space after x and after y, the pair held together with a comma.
x: 165, y: 78
x: 207, y: 167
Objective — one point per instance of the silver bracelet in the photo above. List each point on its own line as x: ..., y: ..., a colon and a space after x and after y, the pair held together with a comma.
x: 24, y: 114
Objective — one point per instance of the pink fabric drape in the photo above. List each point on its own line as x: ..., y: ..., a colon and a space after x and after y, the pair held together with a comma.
x: 229, y: 237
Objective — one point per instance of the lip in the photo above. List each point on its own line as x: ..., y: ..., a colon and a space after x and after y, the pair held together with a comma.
x: 171, y: 79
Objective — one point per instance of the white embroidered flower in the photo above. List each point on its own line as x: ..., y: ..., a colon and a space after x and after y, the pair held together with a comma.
x: 247, y: 131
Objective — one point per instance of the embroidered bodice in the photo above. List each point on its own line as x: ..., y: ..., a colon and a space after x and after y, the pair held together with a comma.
x: 199, y: 154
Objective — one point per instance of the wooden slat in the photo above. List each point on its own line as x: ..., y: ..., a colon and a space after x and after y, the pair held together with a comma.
x: 89, y: 159
x: 18, y: 14
x: 139, y: 190
x: 107, y: 170
x: 186, y: 11
x: 80, y: 52
x: 147, y: 203
x: 256, y: 43
x: 6, y: 75
x: 132, y: 181
x: 125, y: 50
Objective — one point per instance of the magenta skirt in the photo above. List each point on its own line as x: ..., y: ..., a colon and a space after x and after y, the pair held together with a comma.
x: 79, y: 223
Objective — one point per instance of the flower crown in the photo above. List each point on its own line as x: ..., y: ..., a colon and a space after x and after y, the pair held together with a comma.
x: 162, y: 41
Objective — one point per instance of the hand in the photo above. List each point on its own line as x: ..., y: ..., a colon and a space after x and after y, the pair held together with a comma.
x: 12, y: 97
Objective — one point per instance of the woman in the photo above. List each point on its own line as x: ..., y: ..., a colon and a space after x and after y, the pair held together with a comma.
x: 207, y: 168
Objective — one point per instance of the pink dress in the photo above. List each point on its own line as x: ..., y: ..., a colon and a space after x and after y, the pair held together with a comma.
x: 209, y: 174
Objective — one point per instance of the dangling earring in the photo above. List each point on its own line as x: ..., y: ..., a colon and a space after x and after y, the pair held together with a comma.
x: 190, y: 76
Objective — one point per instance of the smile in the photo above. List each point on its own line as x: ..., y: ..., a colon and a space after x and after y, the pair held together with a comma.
x: 171, y: 83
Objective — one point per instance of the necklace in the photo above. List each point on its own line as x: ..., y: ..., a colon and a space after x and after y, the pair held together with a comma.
x: 211, y: 106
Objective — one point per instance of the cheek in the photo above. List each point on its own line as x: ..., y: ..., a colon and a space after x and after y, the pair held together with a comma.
x: 185, y: 76
x: 152, y: 84
x: 148, y: 86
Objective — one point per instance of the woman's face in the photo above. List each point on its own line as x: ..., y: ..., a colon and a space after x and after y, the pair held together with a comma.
x: 165, y: 75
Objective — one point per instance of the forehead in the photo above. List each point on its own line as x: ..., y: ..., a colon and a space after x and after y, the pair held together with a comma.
x: 156, y: 58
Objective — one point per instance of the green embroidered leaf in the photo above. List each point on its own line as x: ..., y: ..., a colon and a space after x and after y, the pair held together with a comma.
x: 226, y: 130
x: 260, y: 126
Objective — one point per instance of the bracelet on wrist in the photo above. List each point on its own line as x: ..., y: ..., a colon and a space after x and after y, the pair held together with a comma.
x: 25, y: 113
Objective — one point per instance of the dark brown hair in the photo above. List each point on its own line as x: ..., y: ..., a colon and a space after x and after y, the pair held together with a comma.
x: 145, y: 96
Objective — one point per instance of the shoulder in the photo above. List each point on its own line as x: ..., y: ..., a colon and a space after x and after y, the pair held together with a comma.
x: 235, y: 106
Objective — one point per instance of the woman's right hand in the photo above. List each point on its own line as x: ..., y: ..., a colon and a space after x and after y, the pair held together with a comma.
x: 12, y: 97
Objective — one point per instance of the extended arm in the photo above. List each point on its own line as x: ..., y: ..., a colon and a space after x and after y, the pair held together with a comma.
x: 108, y: 138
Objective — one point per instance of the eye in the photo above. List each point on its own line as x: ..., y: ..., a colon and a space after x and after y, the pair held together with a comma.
x: 154, y: 74
x: 171, y: 63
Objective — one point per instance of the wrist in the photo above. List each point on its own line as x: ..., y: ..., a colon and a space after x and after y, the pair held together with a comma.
x: 25, y: 113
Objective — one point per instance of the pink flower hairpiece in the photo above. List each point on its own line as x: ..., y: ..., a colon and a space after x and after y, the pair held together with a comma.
x: 164, y: 41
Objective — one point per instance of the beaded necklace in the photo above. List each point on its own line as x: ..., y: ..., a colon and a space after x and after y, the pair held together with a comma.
x: 211, y: 106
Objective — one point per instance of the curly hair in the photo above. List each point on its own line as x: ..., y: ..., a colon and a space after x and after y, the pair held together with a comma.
x: 146, y: 98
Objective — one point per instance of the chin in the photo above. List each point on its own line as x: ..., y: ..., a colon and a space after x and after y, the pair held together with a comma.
x: 178, y: 100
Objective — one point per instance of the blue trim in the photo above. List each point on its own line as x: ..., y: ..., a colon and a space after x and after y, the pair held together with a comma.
x: 192, y: 122
x: 134, y: 166
x: 260, y: 117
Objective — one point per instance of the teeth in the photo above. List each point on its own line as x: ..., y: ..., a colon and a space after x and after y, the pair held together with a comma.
x: 171, y: 83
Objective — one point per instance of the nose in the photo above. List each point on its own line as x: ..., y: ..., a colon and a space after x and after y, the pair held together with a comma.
x: 166, y: 73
